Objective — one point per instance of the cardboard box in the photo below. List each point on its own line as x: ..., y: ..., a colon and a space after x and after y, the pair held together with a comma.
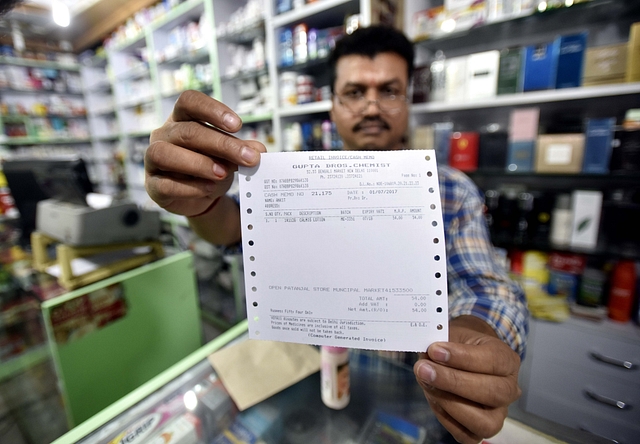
x: 510, y: 71
x: 456, y: 79
x: 523, y: 132
x: 482, y: 75
x: 597, y: 150
x: 540, y: 63
x: 426, y: 23
x: 423, y: 138
x: 571, y: 50
x: 559, y: 153
x: 464, y: 151
x: 442, y: 140
x: 633, y: 54
x: 605, y: 64
x: 493, y: 151
x: 587, y: 208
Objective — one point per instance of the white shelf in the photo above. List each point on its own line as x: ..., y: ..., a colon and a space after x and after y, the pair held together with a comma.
x: 308, y: 108
x: 306, y: 11
x: 528, y: 98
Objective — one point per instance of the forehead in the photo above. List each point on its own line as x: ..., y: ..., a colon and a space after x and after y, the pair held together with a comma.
x: 359, y: 69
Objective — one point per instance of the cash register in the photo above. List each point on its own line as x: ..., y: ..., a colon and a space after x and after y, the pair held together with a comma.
x: 53, y: 196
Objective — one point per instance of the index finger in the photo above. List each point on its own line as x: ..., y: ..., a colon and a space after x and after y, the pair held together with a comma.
x: 491, y: 357
x: 197, y: 106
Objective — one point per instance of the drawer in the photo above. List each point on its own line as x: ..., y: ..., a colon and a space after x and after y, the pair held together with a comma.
x: 583, y: 350
x: 592, y: 390
x: 576, y: 416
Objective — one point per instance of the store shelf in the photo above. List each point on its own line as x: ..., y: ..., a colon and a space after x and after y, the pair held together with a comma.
x: 194, y: 56
x: 136, y: 72
x: 23, y: 361
x: 245, y: 75
x: 42, y: 141
x: 137, y: 134
x: 103, y: 112
x: 530, y: 98
x: 205, y: 89
x: 315, y: 10
x: 106, y: 138
x: 102, y: 86
x: 176, y: 15
x: 23, y: 117
x: 308, y: 108
x: 137, y: 102
x: 31, y: 63
x: 256, y: 118
x: 39, y: 92
x: 245, y: 35
x: 488, y: 179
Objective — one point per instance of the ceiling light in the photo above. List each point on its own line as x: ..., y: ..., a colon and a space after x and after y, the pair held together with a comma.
x: 61, y: 15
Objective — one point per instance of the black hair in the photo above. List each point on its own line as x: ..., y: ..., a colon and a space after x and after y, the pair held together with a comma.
x: 8, y: 5
x: 370, y: 42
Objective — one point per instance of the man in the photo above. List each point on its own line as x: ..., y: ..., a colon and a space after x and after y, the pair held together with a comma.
x: 470, y: 381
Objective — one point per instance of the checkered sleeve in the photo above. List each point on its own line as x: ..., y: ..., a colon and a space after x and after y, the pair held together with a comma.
x: 477, y: 284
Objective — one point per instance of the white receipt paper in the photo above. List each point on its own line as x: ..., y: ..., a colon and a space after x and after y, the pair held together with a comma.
x: 345, y: 249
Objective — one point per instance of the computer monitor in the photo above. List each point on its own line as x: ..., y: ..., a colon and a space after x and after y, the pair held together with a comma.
x: 35, y: 179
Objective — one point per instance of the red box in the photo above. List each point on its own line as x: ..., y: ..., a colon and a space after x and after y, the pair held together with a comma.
x: 464, y: 151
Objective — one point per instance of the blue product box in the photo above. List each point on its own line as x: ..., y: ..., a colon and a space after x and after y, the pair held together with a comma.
x: 520, y: 156
x: 597, y: 148
x: 442, y: 141
x: 540, y: 64
x: 571, y: 50
x: 563, y: 284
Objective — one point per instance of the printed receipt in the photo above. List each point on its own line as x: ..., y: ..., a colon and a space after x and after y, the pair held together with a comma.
x: 345, y: 249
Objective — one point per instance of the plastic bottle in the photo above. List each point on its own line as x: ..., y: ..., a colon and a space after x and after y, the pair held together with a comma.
x: 300, y: 50
x: 622, y: 291
x: 334, y: 376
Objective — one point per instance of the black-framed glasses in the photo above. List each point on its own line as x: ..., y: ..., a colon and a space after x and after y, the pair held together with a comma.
x: 358, y: 103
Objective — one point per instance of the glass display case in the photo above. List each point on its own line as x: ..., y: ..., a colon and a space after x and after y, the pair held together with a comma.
x: 188, y: 404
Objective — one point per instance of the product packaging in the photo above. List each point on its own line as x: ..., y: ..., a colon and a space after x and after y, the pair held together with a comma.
x: 335, y: 378
x: 622, y: 291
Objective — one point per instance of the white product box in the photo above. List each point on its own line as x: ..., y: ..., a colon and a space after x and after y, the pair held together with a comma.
x: 482, y: 75
x: 456, y: 80
x: 587, y: 207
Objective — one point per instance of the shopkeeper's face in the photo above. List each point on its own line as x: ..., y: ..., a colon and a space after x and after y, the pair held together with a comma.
x: 365, y: 85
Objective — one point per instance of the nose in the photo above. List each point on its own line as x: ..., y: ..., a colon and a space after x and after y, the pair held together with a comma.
x: 369, y: 110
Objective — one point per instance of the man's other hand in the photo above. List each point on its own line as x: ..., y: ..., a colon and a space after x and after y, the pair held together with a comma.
x: 470, y: 381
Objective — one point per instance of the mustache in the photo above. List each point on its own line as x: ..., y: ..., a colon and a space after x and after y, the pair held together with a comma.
x: 367, y: 120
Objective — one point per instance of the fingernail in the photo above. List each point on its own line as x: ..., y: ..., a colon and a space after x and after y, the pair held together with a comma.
x: 439, y: 354
x: 426, y: 373
x: 230, y: 121
x: 248, y: 155
x: 218, y: 170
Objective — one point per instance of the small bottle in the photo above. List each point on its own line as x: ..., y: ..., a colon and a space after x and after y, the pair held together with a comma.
x: 334, y: 376
x: 622, y: 291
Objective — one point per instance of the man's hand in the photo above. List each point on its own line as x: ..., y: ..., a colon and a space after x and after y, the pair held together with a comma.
x: 470, y: 381
x: 191, y: 158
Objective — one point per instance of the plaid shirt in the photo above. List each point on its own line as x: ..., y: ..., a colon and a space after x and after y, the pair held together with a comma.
x: 478, y: 285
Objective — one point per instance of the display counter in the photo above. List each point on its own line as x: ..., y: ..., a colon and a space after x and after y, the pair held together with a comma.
x: 188, y: 404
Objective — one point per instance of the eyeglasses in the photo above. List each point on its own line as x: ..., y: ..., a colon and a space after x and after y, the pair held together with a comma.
x: 357, y: 103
